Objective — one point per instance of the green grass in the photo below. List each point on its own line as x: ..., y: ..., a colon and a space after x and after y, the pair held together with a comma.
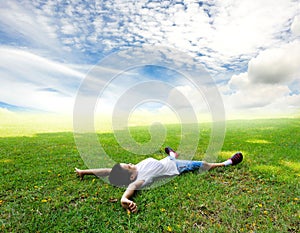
x: 39, y: 191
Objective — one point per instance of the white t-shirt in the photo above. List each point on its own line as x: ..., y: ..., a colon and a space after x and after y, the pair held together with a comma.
x: 150, y: 168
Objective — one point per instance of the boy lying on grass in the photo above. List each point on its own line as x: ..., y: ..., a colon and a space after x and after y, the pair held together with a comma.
x: 135, y: 177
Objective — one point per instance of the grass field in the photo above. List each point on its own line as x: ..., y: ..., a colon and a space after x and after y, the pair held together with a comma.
x: 41, y: 193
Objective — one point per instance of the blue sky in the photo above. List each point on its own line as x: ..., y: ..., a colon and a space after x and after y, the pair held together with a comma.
x: 250, y: 48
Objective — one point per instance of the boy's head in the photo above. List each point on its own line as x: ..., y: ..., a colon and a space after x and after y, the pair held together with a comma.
x: 122, y: 174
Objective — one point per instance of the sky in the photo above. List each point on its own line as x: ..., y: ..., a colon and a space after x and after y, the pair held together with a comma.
x: 251, y: 49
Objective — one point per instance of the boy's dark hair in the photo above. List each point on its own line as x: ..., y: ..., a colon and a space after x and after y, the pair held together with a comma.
x: 119, y: 176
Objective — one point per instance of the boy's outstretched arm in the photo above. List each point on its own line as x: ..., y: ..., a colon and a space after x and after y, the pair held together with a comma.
x: 101, y: 172
x: 125, y: 200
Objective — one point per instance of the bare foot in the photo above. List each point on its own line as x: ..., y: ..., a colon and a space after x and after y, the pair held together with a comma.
x: 79, y: 173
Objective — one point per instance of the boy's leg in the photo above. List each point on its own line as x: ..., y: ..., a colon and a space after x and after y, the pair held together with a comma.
x: 209, y: 166
x: 186, y: 166
x: 235, y: 159
x: 171, y: 152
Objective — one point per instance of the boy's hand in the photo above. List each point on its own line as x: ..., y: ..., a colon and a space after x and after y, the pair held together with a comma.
x: 125, y: 202
x: 129, y: 205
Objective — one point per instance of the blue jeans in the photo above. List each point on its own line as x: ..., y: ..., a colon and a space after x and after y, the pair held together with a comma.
x: 186, y: 165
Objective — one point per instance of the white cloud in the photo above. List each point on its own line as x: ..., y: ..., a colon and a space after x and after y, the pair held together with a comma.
x: 271, y: 85
x: 295, y: 27
x: 36, y: 29
x: 225, y: 36
x: 222, y: 30
x: 33, y: 81
x: 253, y: 95
x: 68, y: 29
x: 30, y: 95
x: 16, y: 60
x: 244, y: 26
x: 276, y: 65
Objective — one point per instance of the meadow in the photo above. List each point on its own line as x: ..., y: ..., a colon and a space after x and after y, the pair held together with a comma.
x: 39, y: 191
